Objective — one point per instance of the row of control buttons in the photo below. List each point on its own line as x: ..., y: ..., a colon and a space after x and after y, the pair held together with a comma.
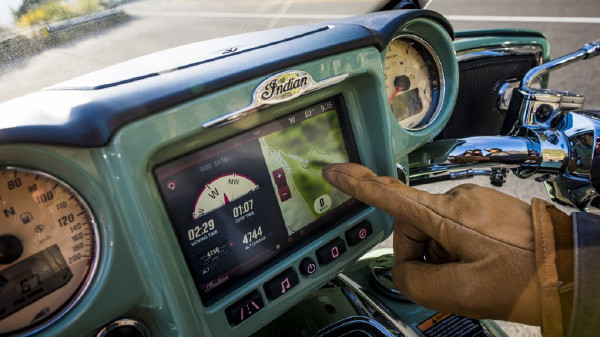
x: 282, y: 283
x: 252, y: 303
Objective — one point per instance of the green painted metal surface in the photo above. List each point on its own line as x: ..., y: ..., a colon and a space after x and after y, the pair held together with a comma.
x: 473, y: 40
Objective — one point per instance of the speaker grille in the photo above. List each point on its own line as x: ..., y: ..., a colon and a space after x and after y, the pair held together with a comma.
x: 476, y: 112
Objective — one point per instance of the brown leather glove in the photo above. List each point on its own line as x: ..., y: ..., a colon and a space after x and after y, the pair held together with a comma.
x: 472, y: 251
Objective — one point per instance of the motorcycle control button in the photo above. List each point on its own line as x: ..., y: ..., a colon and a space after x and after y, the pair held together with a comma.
x: 308, y: 266
x: 244, y: 308
x: 281, y: 284
x: 358, y: 233
x: 331, y: 251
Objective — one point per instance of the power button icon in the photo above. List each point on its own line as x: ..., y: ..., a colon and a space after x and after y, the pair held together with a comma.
x: 308, y: 267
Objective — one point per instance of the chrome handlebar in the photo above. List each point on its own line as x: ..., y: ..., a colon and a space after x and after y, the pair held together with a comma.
x: 553, y: 141
x: 588, y: 51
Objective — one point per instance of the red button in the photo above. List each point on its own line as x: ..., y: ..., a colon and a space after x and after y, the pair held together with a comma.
x: 284, y: 193
x: 279, y: 177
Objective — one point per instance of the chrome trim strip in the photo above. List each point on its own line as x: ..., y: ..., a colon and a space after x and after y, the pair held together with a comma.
x: 258, y: 104
x: 496, y: 51
x: 526, y: 49
x: 353, y: 290
x: 352, y: 321
x: 124, y: 322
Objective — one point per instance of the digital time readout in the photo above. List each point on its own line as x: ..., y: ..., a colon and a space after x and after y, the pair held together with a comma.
x: 243, y: 209
x: 201, y: 230
x: 265, y: 195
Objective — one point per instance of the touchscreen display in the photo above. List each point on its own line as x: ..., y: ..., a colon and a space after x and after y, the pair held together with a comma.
x: 241, y: 202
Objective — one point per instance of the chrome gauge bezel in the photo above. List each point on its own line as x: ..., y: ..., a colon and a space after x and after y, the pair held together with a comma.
x: 432, y: 115
x: 85, y: 285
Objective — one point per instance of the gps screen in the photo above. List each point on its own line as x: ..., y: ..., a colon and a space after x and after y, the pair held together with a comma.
x: 237, y: 204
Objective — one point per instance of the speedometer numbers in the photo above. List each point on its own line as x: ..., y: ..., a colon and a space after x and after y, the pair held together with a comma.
x: 48, y: 249
x: 412, y: 78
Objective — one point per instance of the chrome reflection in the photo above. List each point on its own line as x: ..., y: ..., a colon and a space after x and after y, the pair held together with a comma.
x: 355, y: 326
x: 129, y: 324
x: 498, y: 51
x: 370, y: 306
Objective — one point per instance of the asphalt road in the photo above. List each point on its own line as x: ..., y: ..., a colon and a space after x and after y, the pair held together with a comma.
x: 564, y: 37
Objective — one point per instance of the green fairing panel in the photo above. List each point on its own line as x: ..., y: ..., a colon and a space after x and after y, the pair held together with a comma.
x: 142, y: 272
x: 502, y: 38
x: 176, y: 132
x: 407, y: 140
x: 480, y: 39
x: 476, y: 40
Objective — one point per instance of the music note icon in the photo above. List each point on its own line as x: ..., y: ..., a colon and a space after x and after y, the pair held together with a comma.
x: 285, y: 285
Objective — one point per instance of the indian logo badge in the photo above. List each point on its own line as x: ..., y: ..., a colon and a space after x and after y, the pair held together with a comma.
x: 277, y: 89
x: 283, y: 87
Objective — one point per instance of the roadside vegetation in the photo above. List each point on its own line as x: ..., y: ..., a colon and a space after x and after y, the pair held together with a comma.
x: 39, y: 12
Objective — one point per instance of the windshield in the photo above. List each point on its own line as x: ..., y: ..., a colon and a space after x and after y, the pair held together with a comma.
x: 44, y: 42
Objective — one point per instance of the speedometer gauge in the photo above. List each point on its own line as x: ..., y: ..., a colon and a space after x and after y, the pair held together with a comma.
x: 413, y: 80
x: 48, y: 249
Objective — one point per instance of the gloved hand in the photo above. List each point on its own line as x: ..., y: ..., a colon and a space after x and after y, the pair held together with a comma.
x: 472, y: 251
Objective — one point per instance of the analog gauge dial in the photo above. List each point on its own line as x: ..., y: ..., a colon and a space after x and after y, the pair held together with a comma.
x: 221, y: 191
x: 48, y: 249
x: 413, y: 79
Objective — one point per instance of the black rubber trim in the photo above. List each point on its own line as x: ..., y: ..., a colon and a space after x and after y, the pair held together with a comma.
x: 498, y: 32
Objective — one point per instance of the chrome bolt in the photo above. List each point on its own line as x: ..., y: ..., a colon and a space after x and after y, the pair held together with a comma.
x: 543, y: 113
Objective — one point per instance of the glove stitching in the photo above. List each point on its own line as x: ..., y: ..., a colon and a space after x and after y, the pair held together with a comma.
x: 545, y: 265
x: 544, y: 262
x: 433, y: 211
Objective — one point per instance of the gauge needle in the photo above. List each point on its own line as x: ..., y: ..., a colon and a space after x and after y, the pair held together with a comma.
x: 226, y: 199
x: 398, y: 89
x: 401, y: 83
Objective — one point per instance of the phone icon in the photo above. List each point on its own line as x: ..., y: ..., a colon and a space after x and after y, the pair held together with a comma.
x: 335, y: 252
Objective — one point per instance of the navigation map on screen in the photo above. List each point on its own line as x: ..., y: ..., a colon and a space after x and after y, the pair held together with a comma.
x: 295, y: 157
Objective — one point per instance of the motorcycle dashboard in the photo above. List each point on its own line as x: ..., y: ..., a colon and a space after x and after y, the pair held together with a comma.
x: 198, y: 172
x: 241, y: 202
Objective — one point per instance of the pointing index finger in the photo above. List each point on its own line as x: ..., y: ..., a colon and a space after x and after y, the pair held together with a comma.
x: 410, y: 206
